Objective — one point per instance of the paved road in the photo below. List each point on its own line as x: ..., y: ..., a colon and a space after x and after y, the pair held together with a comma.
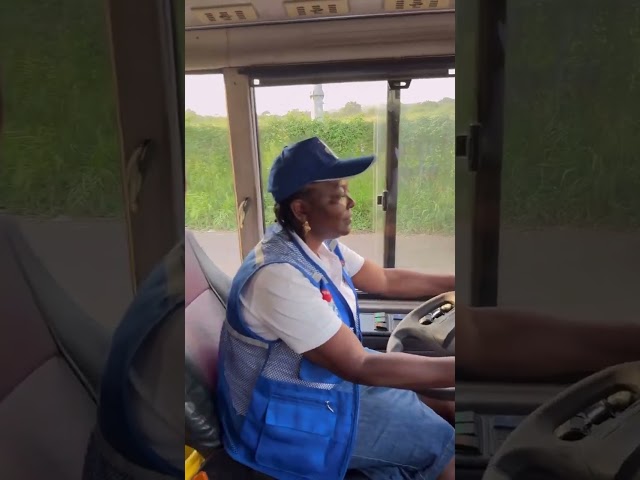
x: 431, y: 253
x: 569, y: 273
x: 582, y: 271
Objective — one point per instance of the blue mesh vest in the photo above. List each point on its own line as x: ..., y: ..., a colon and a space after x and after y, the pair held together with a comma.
x: 281, y: 414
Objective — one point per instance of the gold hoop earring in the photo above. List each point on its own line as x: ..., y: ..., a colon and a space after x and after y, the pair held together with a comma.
x: 306, y: 227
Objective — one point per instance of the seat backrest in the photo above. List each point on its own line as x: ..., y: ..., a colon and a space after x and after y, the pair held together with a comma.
x: 49, y: 367
x: 206, y: 293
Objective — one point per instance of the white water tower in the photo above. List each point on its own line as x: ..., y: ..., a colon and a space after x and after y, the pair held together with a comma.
x: 317, y: 96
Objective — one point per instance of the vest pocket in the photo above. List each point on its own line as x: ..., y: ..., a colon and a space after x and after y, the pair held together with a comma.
x: 296, y: 435
x: 312, y: 373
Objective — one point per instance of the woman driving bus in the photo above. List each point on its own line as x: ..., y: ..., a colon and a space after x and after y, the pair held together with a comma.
x: 299, y: 395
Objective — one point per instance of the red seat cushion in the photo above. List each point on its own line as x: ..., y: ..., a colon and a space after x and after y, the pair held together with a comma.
x: 204, y: 316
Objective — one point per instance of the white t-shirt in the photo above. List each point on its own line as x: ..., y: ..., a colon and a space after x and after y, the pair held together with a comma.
x: 279, y: 302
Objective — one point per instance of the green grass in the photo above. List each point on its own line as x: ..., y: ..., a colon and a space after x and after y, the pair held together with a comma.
x: 210, y: 196
x: 426, y: 175
x: 570, y: 151
x: 59, y: 150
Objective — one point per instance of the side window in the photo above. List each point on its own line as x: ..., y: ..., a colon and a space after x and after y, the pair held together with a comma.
x: 210, y: 199
x: 60, y: 173
x: 569, y: 174
x: 426, y: 177
x: 350, y: 118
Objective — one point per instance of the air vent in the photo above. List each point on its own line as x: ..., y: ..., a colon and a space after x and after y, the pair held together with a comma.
x: 225, y: 14
x: 318, y: 8
x: 405, y: 5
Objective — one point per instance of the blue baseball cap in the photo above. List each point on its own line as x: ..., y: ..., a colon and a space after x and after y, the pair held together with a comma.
x: 310, y: 161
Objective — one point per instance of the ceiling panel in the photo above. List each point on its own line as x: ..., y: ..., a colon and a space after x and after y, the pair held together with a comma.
x: 220, y: 13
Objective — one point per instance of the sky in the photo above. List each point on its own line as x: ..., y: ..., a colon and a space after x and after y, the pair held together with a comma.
x: 204, y: 94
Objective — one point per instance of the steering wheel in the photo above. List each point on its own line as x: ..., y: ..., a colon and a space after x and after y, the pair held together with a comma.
x: 589, y: 431
x: 431, y: 327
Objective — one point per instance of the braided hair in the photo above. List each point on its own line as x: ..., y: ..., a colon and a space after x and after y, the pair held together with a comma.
x: 286, y: 218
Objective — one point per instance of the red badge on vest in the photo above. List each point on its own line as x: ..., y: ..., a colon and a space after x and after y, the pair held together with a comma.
x: 326, y: 296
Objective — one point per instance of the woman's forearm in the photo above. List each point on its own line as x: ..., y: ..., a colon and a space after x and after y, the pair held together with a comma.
x: 406, y: 371
x: 403, y: 283
x: 498, y: 342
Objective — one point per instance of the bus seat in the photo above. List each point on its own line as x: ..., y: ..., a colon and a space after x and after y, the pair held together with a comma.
x: 204, y: 313
x: 206, y: 293
x: 51, y: 356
